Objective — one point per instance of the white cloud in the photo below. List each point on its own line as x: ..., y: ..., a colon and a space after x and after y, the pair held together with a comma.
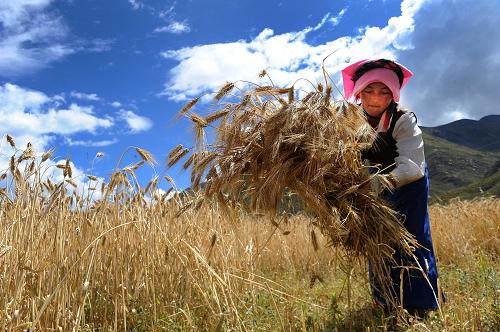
x: 11, y: 11
x: 168, y: 12
x: 54, y: 121
x: 135, y: 122
x: 136, y: 4
x: 85, y: 96
x: 116, y: 104
x: 95, y: 45
x: 287, y: 57
x: 172, y: 24
x: 31, y: 37
x: 33, y: 116
x: 336, y: 19
x: 14, y: 99
x: 320, y: 24
x: 174, y: 27
x: 71, y: 142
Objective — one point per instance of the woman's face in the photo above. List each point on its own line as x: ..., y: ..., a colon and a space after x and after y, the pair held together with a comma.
x: 375, y: 98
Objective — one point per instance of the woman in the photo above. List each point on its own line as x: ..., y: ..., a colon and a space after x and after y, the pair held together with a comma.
x: 399, y: 153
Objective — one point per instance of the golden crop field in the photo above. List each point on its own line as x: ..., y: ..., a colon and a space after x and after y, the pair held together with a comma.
x: 130, y: 261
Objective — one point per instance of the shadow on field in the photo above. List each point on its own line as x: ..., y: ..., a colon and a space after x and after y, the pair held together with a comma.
x: 358, y: 320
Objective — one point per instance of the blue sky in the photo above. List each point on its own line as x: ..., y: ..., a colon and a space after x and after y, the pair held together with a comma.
x: 98, y: 76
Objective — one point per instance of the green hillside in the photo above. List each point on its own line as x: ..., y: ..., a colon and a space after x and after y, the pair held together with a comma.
x: 483, y: 134
x: 489, y: 186
x: 453, y: 166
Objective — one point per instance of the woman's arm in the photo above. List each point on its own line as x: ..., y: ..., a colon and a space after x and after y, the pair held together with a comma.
x: 410, y: 164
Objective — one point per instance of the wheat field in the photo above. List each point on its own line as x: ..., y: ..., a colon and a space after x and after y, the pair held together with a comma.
x: 131, y: 261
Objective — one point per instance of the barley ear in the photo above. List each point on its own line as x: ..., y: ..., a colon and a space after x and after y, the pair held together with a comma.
x: 224, y: 90
x: 11, y: 141
x: 145, y: 155
x: 188, y: 106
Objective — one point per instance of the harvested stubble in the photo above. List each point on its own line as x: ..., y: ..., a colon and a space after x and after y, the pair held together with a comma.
x: 269, y: 144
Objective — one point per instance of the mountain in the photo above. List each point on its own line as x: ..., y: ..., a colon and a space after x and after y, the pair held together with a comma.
x: 483, y: 134
x: 464, y: 158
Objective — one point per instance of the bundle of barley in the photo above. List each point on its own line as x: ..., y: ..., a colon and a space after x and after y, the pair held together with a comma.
x: 268, y: 144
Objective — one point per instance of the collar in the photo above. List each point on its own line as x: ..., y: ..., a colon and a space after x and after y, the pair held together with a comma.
x: 385, y: 121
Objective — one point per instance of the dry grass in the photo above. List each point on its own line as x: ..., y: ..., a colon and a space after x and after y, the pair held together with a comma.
x: 122, y: 263
x: 466, y: 239
x: 474, y: 232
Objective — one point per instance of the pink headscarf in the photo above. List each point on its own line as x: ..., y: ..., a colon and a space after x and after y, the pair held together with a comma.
x: 382, y: 75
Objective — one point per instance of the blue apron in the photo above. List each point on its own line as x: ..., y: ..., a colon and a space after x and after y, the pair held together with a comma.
x: 418, y: 293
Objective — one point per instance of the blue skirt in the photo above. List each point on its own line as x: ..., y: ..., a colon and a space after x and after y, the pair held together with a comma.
x: 417, y: 291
